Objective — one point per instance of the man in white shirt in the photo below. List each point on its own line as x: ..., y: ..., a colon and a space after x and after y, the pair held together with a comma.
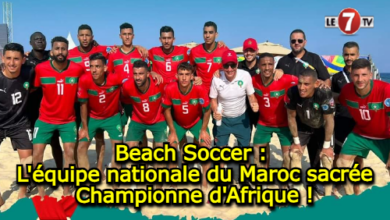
x: 230, y: 91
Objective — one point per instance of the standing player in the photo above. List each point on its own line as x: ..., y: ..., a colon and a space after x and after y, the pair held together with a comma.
x: 343, y: 121
x: 146, y: 97
x: 272, y: 113
x: 191, y: 112
x: 15, y: 83
x: 99, y: 96
x: 368, y: 101
x: 207, y: 57
x: 314, y: 108
x: 58, y: 79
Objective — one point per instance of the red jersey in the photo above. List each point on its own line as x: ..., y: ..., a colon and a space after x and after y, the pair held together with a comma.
x: 272, y: 112
x: 371, y: 113
x: 102, y: 100
x: 121, y: 62
x: 187, y: 108
x: 166, y: 64
x: 147, y: 107
x: 59, y: 91
x: 82, y: 58
x: 207, y: 63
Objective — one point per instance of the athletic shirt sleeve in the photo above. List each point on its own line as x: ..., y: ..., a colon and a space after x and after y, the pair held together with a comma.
x: 327, y: 105
x: 167, y: 101
x: 37, y: 80
x: 334, y: 84
x: 289, y: 99
x: 387, y: 100
x: 191, y: 58
x: 342, y: 95
x: 291, y: 81
x: 82, y: 93
x: 124, y: 93
x: 213, y: 89
x: 249, y: 87
x: 204, y: 98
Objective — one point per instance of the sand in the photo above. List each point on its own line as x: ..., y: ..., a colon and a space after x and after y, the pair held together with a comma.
x: 9, y: 189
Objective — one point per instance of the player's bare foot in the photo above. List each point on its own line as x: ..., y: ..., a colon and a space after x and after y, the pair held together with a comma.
x: 356, y: 189
x: 336, y: 193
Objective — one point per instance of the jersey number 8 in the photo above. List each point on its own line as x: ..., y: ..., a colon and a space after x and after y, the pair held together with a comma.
x: 146, y: 107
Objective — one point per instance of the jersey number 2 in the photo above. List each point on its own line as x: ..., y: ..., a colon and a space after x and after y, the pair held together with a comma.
x: 102, y: 98
x: 16, y: 98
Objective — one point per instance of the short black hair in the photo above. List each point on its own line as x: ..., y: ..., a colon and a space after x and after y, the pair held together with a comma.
x: 14, y: 47
x: 211, y: 24
x: 351, y: 44
x: 59, y: 39
x: 35, y: 33
x: 298, y: 31
x: 126, y: 25
x: 98, y: 56
x: 85, y: 27
x: 361, y: 64
x: 185, y: 66
x: 309, y: 72
x: 168, y: 29
x: 140, y: 64
x: 265, y: 55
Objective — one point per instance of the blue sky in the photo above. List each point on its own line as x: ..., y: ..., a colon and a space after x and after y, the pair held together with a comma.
x: 236, y: 20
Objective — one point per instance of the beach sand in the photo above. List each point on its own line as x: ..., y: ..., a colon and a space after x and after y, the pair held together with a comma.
x: 9, y: 189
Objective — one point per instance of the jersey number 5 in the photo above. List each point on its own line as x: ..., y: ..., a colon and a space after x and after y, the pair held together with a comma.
x: 16, y: 98
x: 185, y: 109
x: 365, y: 114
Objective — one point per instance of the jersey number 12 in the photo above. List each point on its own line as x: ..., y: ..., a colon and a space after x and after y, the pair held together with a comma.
x: 16, y: 98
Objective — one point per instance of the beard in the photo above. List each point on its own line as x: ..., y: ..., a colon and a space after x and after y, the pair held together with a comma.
x: 59, y: 58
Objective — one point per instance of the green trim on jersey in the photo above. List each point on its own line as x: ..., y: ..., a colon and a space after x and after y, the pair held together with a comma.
x: 206, y: 108
x: 194, y: 101
x: 259, y: 92
x: 136, y: 99
x: 165, y: 106
x: 388, y: 113
x: 154, y: 97
x: 177, y: 58
x: 132, y: 60
x: 60, y: 71
x: 76, y: 59
x: 93, y: 92
x: 217, y: 59
x: 48, y: 80
x: 277, y: 94
x: 71, y: 80
x: 352, y: 104
x: 123, y: 52
x: 176, y: 101
x: 112, y: 89
x: 83, y: 100
x: 187, y: 91
x: 215, y: 47
x: 200, y: 60
x: 118, y: 62
x: 158, y: 58
x: 262, y: 82
x: 375, y: 106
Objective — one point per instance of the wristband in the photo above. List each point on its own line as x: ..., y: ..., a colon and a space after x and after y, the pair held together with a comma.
x: 326, y: 145
x: 296, y: 140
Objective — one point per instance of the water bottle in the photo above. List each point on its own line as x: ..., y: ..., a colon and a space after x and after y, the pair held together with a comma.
x: 219, y: 110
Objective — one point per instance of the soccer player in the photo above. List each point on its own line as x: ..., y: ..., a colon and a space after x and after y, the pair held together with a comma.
x: 207, y: 57
x: 99, y: 96
x: 314, y: 107
x: 343, y: 121
x: 368, y: 102
x: 191, y: 112
x: 146, y: 97
x: 15, y: 84
x: 272, y: 113
x: 58, y: 79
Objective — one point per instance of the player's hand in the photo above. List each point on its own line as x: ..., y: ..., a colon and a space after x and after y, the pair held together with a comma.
x: 157, y: 77
x: 217, y: 116
x: 27, y: 53
x: 295, y: 147
x: 328, y: 152
x: 197, y: 81
x: 221, y: 44
x: 143, y: 51
x: 255, y: 107
x: 83, y: 133
x: 278, y: 73
x: 323, y: 84
x: 113, y: 49
x: 204, y: 135
x: 172, y: 139
x: 217, y: 74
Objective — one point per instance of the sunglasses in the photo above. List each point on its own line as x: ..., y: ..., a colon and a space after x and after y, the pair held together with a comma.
x: 299, y: 41
x: 231, y: 65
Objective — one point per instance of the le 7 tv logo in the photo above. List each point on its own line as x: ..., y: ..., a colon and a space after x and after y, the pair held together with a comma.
x: 349, y: 21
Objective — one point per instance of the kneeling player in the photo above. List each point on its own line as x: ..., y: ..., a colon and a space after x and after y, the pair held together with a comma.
x: 99, y: 96
x: 147, y: 114
x: 191, y: 112
x: 368, y: 102
x: 272, y: 113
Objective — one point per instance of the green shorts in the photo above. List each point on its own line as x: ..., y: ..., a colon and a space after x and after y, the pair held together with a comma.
x: 195, y: 130
x: 361, y: 146
x: 44, y: 131
x: 136, y: 131
x: 263, y: 135
x: 127, y: 113
x: 112, y: 125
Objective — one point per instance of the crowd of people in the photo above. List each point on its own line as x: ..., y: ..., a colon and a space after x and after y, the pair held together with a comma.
x: 78, y: 94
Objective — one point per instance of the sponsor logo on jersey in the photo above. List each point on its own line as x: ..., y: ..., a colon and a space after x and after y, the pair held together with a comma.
x: 363, y: 106
x: 316, y: 106
x: 325, y: 107
x: 240, y: 83
x: 387, y: 102
x: 60, y: 81
x: 26, y: 85
x: 201, y: 101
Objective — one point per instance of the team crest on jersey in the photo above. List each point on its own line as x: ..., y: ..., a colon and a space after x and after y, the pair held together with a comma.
x: 201, y: 101
x: 188, y: 51
x: 72, y: 80
x: 331, y: 102
x: 240, y: 83
x: 387, y: 102
x: 108, y: 49
x: 257, y: 71
x: 325, y: 107
x: 26, y: 85
x: 316, y: 106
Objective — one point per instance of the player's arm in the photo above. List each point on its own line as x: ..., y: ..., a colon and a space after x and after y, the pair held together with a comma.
x: 291, y: 105
x: 250, y: 91
x: 328, y: 110
x: 387, y: 110
x: 197, y: 79
x: 142, y: 50
x: 335, y: 93
x: 167, y: 105
x: 213, y: 100
x: 323, y: 74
